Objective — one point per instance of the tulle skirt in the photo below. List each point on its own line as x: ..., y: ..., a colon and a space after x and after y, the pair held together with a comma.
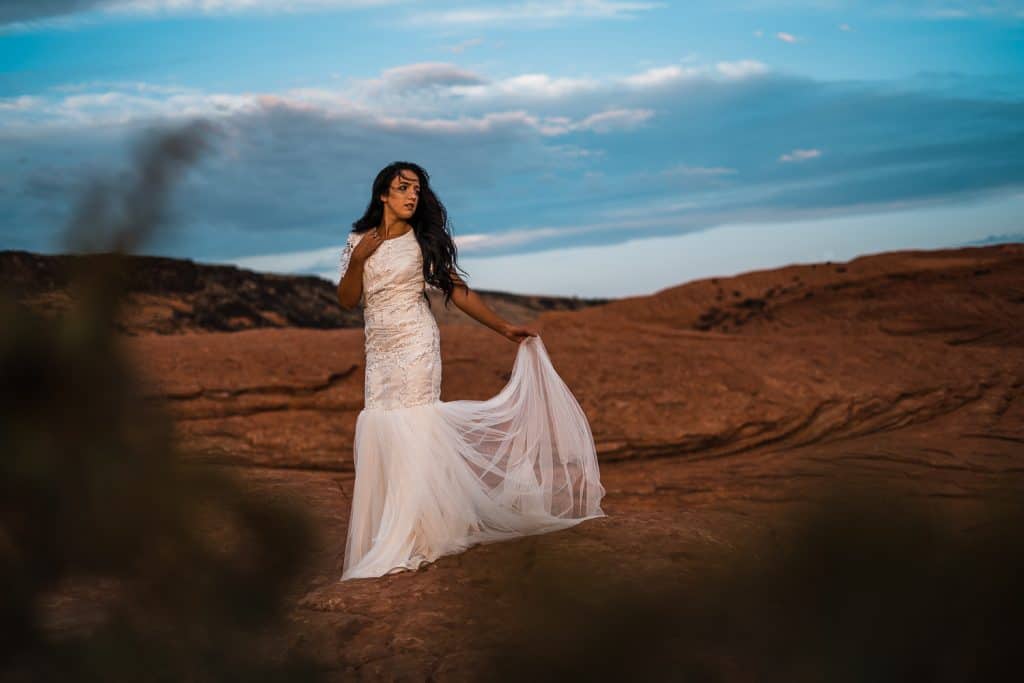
x: 436, y: 478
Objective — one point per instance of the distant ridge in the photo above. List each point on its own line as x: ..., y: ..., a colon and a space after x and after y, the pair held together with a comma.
x: 174, y: 296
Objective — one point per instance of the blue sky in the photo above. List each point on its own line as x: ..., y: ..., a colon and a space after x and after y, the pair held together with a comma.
x: 595, y: 148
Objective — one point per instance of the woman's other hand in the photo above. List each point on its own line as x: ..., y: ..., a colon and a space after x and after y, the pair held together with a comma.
x: 367, y: 245
x: 517, y: 333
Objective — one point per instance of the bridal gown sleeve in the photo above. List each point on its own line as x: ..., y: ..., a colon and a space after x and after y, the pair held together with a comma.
x: 435, y: 477
x: 346, y: 257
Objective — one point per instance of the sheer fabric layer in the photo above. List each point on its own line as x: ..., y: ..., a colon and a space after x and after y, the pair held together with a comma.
x: 436, y: 478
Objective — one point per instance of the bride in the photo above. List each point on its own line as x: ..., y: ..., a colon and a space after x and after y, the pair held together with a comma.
x: 435, y: 477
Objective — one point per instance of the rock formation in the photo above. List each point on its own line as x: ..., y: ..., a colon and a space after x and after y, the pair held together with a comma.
x: 717, y: 406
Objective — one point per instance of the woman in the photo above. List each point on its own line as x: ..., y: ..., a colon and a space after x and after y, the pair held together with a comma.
x: 436, y: 477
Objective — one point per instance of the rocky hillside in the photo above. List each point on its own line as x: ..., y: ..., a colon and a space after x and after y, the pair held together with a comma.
x: 172, y: 296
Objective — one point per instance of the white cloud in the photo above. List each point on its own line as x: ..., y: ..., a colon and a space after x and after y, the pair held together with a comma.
x: 22, y: 103
x: 615, y: 119
x: 424, y: 75
x: 426, y: 96
x: 800, y: 155
x: 786, y: 37
x: 741, y: 69
x: 660, y: 76
x: 665, y: 76
x: 575, y: 152
x: 686, y: 170
x: 944, y: 10
x: 536, y: 85
x: 325, y: 261
x: 530, y: 12
x: 487, y: 123
x: 319, y: 260
x: 602, y: 122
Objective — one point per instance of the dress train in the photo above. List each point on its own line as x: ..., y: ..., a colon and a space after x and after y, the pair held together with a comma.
x: 436, y: 478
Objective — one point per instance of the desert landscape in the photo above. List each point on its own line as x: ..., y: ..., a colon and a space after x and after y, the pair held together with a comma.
x: 773, y: 250
x: 720, y: 408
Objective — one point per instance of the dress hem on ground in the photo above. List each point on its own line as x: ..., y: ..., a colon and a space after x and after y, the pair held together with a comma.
x: 420, y: 562
x: 437, y: 478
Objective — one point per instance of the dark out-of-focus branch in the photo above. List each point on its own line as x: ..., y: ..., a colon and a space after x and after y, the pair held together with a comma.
x: 121, y: 217
x: 118, y: 561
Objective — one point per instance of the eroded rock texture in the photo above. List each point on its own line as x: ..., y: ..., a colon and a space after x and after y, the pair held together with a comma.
x: 715, y: 405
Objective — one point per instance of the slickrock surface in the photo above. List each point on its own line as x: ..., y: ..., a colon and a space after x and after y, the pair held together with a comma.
x: 714, y: 405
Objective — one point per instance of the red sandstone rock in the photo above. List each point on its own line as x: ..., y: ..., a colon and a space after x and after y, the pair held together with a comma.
x: 715, y: 405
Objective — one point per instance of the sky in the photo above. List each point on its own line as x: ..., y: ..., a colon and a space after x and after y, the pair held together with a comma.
x: 588, y: 148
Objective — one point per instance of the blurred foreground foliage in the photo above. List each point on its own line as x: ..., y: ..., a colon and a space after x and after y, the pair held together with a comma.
x: 118, y: 560
x: 861, y: 585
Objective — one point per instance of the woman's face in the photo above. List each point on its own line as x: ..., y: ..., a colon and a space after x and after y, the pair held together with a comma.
x: 403, y: 197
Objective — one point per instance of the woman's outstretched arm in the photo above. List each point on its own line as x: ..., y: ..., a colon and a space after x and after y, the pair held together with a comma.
x: 474, y: 306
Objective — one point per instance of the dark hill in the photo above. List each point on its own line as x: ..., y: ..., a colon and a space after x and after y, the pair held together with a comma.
x: 171, y: 296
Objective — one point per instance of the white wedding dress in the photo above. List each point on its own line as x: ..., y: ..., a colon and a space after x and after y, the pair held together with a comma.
x: 435, y: 477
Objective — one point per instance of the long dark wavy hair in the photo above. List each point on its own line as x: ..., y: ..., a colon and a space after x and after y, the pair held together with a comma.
x: 429, y: 223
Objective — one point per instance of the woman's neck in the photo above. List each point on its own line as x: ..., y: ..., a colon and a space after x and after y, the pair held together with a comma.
x: 395, y: 225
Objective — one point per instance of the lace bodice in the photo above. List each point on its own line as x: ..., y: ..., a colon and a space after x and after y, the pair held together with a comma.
x: 402, y: 341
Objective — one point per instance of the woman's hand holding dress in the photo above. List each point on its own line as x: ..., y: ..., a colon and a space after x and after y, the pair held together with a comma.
x: 518, y: 333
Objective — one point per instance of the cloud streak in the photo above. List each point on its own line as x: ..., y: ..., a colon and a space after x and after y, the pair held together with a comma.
x: 532, y: 13
x: 800, y: 155
x: 526, y: 162
x: 26, y: 15
x: 30, y: 14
